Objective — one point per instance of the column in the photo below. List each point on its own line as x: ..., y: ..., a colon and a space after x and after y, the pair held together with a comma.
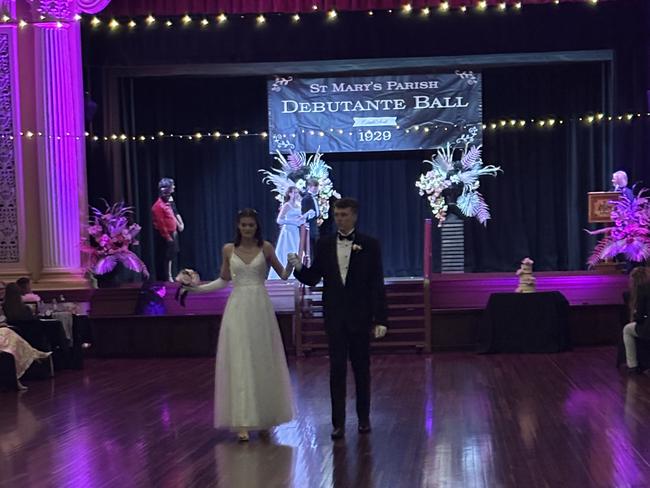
x: 61, y: 148
x: 12, y: 215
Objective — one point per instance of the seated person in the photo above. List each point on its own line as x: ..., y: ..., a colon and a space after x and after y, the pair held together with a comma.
x: 24, y: 354
x: 25, y: 285
x: 639, y: 305
x: 14, y: 307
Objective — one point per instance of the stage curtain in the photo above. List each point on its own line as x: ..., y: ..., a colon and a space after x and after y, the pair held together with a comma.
x: 181, y: 7
x: 538, y: 203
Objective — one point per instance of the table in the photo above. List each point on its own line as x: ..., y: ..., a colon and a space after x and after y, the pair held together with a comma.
x: 525, y: 322
x: 66, y: 319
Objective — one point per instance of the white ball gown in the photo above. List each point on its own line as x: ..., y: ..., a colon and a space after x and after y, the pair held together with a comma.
x: 252, y: 386
x: 24, y: 354
x: 289, y: 238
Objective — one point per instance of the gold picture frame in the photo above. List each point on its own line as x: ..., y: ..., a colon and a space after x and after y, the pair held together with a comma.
x: 600, y: 206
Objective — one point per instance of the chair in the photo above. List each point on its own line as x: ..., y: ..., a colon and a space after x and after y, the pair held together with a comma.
x: 7, y: 372
x: 34, y: 333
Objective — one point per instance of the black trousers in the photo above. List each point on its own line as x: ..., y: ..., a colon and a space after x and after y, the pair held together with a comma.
x: 165, y: 251
x: 344, y: 343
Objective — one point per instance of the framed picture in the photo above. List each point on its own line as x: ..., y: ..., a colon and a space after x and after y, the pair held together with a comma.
x: 599, y: 205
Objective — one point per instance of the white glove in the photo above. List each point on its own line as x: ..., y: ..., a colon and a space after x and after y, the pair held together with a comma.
x: 293, y: 260
x: 379, y: 331
x: 310, y: 214
x: 217, y: 284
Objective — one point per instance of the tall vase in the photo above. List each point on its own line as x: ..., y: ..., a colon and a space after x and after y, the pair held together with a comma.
x: 110, y: 279
x: 452, y: 246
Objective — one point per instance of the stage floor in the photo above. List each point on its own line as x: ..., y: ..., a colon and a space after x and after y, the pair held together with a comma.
x: 446, y: 420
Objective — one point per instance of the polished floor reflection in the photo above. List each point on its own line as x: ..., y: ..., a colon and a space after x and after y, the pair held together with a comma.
x: 447, y: 420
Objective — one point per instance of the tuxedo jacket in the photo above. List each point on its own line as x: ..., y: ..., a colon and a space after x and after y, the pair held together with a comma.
x: 306, y: 204
x: 358, y: 304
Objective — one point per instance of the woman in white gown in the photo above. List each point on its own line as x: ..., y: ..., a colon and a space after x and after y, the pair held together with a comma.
x: 289, y: 219
x: 252, y: 386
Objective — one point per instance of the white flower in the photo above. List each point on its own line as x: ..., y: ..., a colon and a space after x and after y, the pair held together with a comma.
x: 188, y: 277
x: 356, y: 247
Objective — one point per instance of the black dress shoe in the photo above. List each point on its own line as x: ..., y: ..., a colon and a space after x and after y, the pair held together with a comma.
x: 364, y: 427
x: 338, y: 433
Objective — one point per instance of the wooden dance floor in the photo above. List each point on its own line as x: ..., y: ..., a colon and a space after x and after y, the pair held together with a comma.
x: 445, y: 420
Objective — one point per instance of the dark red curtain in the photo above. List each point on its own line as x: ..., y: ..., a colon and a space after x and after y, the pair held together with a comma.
x: 180, y: 7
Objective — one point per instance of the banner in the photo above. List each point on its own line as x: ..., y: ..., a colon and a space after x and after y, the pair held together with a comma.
x: 374, y: 113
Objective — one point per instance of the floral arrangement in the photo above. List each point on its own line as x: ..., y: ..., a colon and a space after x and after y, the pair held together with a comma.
x: 630, y: 234
x: 109, y: 237
x: 186, y: 278
x: 295, y: 170
x: 463, y: 175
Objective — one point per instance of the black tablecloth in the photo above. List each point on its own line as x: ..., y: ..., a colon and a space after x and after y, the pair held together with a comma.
x: 525, y: 322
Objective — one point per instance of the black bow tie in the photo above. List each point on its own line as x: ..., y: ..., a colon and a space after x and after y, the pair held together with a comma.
x: 349, y: 237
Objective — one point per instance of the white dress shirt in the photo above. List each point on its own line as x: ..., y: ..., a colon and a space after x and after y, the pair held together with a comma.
x: 343, y: 253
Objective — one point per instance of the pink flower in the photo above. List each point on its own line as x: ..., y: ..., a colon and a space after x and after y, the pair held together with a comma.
x: 104, y: 240
x: 294, y: 160
x: 95, y: 230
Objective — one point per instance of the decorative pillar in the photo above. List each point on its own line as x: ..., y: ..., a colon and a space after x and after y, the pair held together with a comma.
x: 58, y: 85
x: 12, y: 218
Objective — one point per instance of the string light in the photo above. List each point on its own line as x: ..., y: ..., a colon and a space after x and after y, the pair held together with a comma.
x: 427, y: 128
x: 332, y: 14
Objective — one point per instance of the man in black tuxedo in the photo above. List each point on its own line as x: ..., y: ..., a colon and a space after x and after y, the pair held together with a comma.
x: 309, y: 207
x: 354, y: 302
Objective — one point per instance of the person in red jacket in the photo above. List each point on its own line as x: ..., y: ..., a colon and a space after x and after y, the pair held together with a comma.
x: 168, y: 223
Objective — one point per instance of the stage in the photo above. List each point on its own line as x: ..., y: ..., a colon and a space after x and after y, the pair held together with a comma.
x: 446, y: 319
